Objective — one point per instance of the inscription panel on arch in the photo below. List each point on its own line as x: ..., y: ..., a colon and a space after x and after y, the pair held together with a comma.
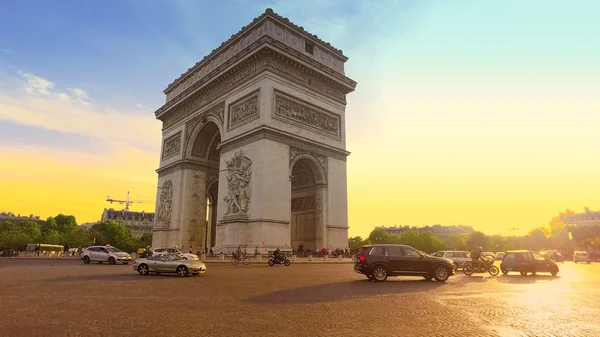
x: 307, y: 116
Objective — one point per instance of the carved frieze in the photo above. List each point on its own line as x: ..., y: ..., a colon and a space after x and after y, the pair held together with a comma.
x: 243, y: 111
x: 245, y: 71
x: 172, y: 146
x: 306, y: 203
x: 163, y: 211
x: 316, y: 119
x: 239, y: 172
x: 295, y: 152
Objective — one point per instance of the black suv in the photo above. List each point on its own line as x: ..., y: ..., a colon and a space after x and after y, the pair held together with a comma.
x: 378, y: 262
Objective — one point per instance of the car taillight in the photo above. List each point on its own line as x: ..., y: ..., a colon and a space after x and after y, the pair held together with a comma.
x: 362, y: 256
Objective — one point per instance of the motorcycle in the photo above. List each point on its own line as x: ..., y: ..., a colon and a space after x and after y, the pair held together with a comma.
x: 281, y: 259
x: 486, y: 266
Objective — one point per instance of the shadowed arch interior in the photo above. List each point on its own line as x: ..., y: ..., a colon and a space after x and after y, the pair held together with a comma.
x: 303, y: 193
x: 207, y: 142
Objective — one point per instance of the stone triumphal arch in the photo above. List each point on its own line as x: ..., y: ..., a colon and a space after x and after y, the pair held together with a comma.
x: 254, y: 145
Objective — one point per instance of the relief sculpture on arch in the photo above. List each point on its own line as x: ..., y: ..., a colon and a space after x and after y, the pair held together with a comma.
x: 238, y: 184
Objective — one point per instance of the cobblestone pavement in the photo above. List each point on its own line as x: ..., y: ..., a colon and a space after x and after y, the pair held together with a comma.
x: 67, y: 298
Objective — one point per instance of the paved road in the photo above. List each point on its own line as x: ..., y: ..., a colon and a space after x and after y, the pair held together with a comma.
x: 66, y: 298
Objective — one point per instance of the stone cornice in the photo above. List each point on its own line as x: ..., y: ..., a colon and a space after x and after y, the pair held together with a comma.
x: 187, y: 164
x: 266, y: 58
x: 266, y: 132
x: 256, y: 29
x: 246, y: 220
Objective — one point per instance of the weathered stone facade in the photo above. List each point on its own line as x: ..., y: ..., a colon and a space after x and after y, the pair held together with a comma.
x: 261, y: 158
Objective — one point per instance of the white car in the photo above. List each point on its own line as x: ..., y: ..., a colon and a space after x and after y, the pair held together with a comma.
x: 581, y: 256
x: 185, y: 256
x: 458, y: 257
x: 102, y: 254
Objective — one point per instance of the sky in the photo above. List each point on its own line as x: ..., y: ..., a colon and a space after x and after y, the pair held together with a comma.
x: 476, y: 113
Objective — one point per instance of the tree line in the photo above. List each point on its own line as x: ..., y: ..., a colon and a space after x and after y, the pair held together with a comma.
x: 557, y: 235
x: 64, y: 230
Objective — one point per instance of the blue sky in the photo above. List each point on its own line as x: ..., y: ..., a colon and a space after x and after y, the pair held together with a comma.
x: 434, y: 77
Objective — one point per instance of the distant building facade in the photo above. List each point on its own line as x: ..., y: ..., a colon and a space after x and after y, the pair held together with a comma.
x: 9, y: 216
x: 442, y: 232
x: 587, y: 218
x: 139, y: 222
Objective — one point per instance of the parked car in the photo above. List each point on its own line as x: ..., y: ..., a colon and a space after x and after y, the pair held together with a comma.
x: 103, y: 254
x: 169, y: 263
x: 379, y: 261
x: 458, y: 257
x: 524, y: 261
x: 581, y: 256
x: 185, y: 256
x: 500, y: 256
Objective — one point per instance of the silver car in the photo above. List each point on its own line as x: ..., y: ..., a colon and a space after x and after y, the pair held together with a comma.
x: 102, y: 254
x: 169, y: 263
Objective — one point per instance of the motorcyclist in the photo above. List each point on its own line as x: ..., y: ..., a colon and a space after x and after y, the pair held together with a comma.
x: 276, y: 254
x: 477, y: 256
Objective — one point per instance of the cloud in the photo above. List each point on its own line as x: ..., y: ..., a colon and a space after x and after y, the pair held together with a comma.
x: 41, y: 104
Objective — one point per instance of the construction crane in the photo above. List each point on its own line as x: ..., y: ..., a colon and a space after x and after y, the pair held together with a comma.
x: 127, y: 202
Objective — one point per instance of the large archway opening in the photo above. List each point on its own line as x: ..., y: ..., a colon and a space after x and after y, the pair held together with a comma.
x: 304, y: 220
x: 205, y: 151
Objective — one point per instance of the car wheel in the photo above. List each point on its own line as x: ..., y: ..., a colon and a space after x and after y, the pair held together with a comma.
x: 182, y: 271
x: 111, y: 260
x: 441, y: 273
x: 504, y: 271
x: 379, y: 273
x: 143, y: 269
x: 523, y: 273
x: 86, y: 259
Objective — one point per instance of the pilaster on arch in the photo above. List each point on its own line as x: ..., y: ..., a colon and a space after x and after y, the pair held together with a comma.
x: 317, y: 163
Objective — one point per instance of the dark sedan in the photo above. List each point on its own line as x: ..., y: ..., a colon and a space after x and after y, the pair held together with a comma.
x: 524, y: 262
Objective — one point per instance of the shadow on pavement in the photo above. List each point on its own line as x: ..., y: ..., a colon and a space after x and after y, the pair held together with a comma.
x: 116, y: 277
x: 341, y: 291
x: 519, y: 279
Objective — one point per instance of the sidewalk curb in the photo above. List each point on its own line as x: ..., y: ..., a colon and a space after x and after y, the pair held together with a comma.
x: 205, y: 261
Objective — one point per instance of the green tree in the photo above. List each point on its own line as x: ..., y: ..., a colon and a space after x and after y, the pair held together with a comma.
x: 78, y: 238
x: 478, y: 239
x: 430, y: 243
x: 145, y: 240
x: 357, y: 242
x: 455, y: 242
x: 65, y: 223
x: 115, y: 234
x: 411, y: 238
x: 31, y: 229
x: 380, y: 235
x: 51, y: 237
x: 13, y: 237
x: 49, y: 225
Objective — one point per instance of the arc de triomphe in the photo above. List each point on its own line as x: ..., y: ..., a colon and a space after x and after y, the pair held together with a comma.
x: 254, y: 145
